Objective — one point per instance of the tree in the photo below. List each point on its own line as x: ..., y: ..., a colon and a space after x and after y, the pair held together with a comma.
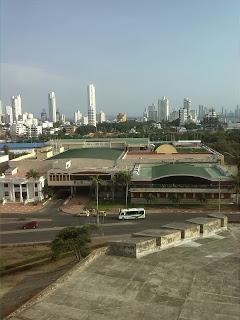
x: 47, y: 191
x: 34, y: 174
x: 76, y: 239
x: 123, y: 178
x: 5, y: 148
x: 149, y: 198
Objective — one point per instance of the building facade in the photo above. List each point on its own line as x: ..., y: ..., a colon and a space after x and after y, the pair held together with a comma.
x: 52, y: 107
x: 92, y: 105
x: 16, y: 107
x: 163, y: 109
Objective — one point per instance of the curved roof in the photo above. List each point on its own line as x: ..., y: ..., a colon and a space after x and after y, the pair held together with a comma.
x: 150, y: 173
x: 166, y: 148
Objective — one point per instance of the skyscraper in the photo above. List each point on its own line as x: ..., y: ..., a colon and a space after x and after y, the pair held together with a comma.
x: 163, y: 109
x: 52, y: 107
x: 8, y: 115
x: 43, y: 116
x: 92, y: 105
x: 16, y: 107
x: 187, y: 105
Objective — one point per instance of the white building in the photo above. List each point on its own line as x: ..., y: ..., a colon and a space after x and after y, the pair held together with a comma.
x: 101, y: 117
x: 47, y: 124
x: 18, y: 129
x: 163, y: 109
x: 183, y: 116
x: 152, y: 113
x: 16, y: 107
x: 77, y: 117
x: 8, y: 115
x: 34, y: 131
x: 52, y: 107
x: 92, y: 105
x: 85, y: 121
x: 17, y: 188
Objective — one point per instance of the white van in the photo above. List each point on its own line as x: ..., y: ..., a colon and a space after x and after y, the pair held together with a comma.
x: 132, y: 213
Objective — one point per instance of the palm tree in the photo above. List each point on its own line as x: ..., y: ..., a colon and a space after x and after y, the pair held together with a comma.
x: 123, y: 178
x: 33, y: 174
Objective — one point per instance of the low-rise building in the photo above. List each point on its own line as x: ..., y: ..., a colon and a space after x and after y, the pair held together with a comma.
x: 16, y: 187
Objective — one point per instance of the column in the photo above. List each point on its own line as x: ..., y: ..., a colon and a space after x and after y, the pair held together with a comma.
x: 20, y: 189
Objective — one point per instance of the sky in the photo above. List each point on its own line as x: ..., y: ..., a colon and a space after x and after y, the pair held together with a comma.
x: 133, y: 51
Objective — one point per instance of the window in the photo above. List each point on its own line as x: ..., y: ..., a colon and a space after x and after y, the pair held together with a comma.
x: 24, y: 185
x: 36, y: 185
x: 6, y: 194
x: 5, y: 185
x: 16, y: 185
x: 36, y: 194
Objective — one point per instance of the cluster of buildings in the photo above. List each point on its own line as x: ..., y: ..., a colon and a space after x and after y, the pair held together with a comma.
x: 186, y: 114
x: 24, y: 124
x: 185, y: 170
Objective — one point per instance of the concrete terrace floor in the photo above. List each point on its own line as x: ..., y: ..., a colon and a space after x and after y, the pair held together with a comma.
x: 199, y: 280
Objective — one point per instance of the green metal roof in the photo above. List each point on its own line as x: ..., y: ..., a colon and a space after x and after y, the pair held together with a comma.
x: 149, y: 172
x: 90, y: 153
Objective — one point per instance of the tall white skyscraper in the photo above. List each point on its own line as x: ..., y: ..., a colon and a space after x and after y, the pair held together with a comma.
x: 8, y: 115
x: 52, y: 107
x: 163, y: 109
x: 92, y: 105
x: 16, y: 107
x: 77, y: 117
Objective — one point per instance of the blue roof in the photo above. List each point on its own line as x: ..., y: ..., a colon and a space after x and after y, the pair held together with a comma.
x: 23, y: 145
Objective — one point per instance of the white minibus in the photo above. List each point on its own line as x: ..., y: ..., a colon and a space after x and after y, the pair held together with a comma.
x: 132, y: 213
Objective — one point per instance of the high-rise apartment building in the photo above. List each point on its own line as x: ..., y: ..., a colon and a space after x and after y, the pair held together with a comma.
x: 16, y: 107
x: 52, y: 107
x: 77, y: 117
x: 152, y: 113
x: 43, y: 116
x: 101, y: 117
x: 163, y: 109
x: 8, y: 115
x: 92, y: 105
x: 187, y: 105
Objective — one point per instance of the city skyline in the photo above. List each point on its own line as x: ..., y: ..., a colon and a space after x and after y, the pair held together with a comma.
x: 138, y: 53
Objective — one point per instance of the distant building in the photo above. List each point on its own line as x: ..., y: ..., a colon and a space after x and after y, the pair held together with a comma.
x: 183, y: 116
x: 211, y: 120
x: 34, y: 131
x: 163, y: 109
x: 187, y: 105
x: 101, y: 117
x: 8, y: 115
x: 18, y: 129
x: 58, y: 116
x: 52, y: 107
x: 16, y: 107
x: 200, y: 112
x: 152, y: 113
x: 70, y: 129
x: 173, y: 116
x: 77, y: 117
x: 92, y: 105
x: 43, y: 116
x: 121, y: 117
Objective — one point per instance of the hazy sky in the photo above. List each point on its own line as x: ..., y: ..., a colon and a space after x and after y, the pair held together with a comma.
x: 134, y: 51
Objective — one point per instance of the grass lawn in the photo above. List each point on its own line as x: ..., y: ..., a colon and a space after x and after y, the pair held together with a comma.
x: 22, y: 254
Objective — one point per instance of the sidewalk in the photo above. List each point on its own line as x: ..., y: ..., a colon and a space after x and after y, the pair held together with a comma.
x: 20, y: 208
x: 75, y: 205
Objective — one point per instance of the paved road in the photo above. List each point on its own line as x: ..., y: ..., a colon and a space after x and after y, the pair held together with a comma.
x: 52, y: 220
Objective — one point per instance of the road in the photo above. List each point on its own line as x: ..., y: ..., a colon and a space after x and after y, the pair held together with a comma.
x: 51, y: 221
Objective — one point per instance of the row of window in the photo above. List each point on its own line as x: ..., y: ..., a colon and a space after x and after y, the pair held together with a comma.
x: 66, y: 177
x: 6, y: 194
x: 16, y: 185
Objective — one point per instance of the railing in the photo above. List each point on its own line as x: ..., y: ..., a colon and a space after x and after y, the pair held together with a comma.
x: 189, y: 186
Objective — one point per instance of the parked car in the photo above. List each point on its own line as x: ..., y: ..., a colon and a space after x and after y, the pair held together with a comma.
x: 84, y: 213
x: 31, y: 225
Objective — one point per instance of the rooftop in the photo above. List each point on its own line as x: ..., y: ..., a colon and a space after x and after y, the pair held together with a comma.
x: 198, y: 280
x: 90, y: 153
x: 152, y: 172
